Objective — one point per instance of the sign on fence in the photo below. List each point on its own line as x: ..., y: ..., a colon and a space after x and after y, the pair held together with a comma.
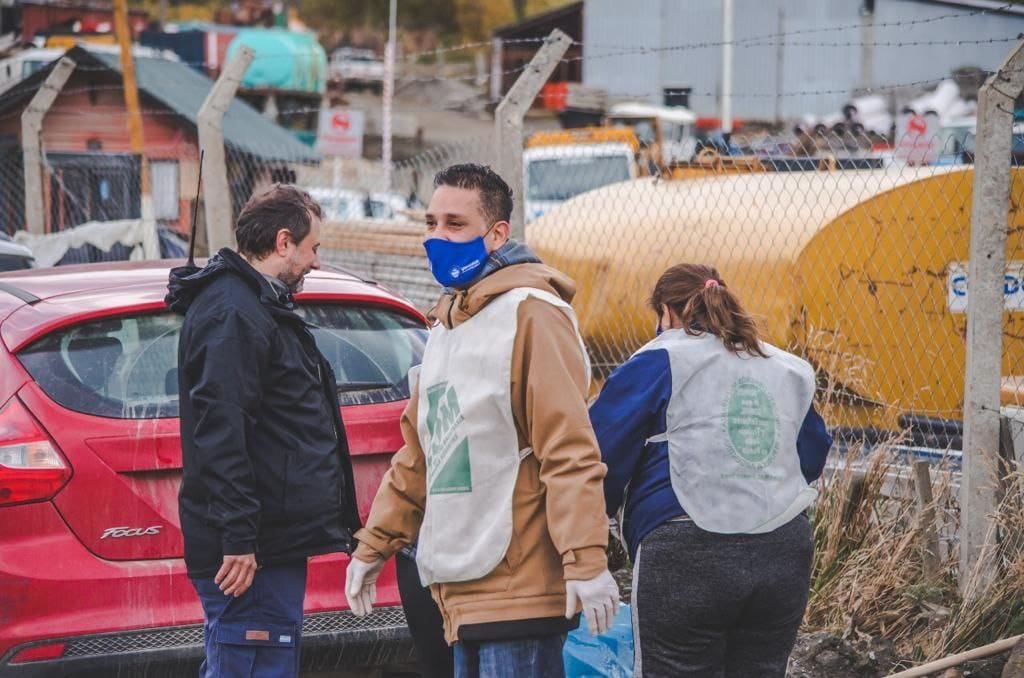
x: 341, y: 132
x: 1013, y: 286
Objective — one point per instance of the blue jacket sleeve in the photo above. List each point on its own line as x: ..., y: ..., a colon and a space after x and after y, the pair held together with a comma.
x: 630, y: 409
x: 812, y: 444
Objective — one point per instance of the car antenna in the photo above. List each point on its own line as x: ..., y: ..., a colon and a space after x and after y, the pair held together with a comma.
x: 195, y: 213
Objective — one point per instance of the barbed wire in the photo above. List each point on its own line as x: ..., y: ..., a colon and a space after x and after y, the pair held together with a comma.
x: 640, y: 50
x: 624, y: 50
x: 889, y: 24
x: 742, y: 41
x: 643, y: 51
x: 18, y: 90
x: 471, y: 45
x: 618, y: 95
x: 648, y: 50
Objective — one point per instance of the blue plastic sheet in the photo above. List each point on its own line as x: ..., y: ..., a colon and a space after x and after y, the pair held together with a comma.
x: 606, y: 656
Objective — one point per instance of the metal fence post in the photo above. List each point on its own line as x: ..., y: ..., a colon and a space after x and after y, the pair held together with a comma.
x: 32, y: 144
x: 990, y: 203
x: 220, y: 230
x: 508, y: 120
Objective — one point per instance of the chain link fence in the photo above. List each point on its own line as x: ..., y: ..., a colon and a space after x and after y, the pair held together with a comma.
x: 853, y: 260
x: 850, y: 247
x: 849, y: 255
x: 368, y: 231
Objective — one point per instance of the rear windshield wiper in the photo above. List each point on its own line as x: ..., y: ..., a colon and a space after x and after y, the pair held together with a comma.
x: 350, y: 386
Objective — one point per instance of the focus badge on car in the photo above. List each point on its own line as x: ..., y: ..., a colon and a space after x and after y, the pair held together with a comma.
x: 119, y: 532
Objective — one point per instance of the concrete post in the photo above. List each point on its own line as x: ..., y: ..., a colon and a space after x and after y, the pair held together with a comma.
x: 728, y: 11
x: 496, y: 54
x: 32, y: 144
x: 989, y: 206
x: 508, y: 120
x: 220, y: 231
x: 388, y: 95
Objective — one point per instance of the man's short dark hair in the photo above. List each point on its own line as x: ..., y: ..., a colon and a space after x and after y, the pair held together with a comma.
x: 267, y: 212
x: 495, y: 195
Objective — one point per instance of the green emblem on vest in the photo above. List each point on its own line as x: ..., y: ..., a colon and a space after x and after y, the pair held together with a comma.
x: 448, y: 470
x: 750, y: 423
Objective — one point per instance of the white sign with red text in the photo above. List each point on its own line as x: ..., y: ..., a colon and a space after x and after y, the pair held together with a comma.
x: 341, y: 132
x: 917, y: 139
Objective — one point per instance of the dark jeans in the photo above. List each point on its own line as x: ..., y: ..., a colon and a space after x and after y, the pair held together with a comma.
x: 425, y: 623
x: 258, y: 634
x: 719, y: 605
x: 522, y: 658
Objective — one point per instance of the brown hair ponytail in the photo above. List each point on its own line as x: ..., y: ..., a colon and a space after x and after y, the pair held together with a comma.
x: 697, y: 295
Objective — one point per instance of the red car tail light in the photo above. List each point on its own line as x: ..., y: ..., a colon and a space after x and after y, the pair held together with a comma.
x: 31, y: 469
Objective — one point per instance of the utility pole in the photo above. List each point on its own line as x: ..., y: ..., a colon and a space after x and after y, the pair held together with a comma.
x: 389, y: 93
x: 496, y: 83
x: 867, y: 50
x: 780, y: 65
x: 131, y: 101
x: 727, y: 15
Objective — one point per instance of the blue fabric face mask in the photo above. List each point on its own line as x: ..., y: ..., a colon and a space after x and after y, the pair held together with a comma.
x: 456, y: 264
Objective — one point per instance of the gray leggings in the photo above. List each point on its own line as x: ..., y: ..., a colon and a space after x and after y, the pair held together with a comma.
x: 719, y: 605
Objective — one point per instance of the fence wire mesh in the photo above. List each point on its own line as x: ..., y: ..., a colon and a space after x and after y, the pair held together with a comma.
x: 849, y: 256
x: 367, y: 230
x: 851, y: 247
x: 845, y: 257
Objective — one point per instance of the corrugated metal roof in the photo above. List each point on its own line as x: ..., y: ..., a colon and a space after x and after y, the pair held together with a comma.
x: 183, y: 90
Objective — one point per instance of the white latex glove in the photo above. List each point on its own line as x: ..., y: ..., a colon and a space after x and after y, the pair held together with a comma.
x: 361, y: 585
x: 598, y: 597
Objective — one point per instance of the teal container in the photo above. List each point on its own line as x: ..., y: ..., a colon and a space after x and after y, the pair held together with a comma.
x: 285, y: 60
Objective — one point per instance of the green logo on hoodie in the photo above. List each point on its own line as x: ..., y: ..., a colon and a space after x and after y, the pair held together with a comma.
x: 448, y: 470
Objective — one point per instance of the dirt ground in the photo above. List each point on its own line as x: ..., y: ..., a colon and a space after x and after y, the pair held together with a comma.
x: 826, y: 655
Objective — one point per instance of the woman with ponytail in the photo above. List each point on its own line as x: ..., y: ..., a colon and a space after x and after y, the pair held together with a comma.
x: 711, y: 441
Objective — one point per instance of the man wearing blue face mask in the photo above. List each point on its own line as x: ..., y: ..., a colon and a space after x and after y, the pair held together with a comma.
x: 500, y: 477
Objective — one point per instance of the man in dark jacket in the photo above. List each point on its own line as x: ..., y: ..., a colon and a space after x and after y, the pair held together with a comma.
x: 267, y: 478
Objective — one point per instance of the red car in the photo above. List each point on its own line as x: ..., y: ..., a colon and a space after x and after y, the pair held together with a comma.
x: 91, y: 571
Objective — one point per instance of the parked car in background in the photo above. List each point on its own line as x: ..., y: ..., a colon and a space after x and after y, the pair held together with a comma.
x: 394, y: 206
x: 339, y: 204
x: 952, y: 140
x: 91, y: 571
x: 956, y: 142
x: 670, y: 128
x: 357, y: 68
x: 344, y: 204
x: 14, y: 257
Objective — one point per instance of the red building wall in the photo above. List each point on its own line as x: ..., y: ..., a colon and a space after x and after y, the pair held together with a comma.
x: 89, y: 116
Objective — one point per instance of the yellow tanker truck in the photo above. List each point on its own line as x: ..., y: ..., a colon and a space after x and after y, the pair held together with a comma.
x: 861, y: 272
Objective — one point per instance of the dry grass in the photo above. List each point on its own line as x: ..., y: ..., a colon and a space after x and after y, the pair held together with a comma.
x: 868, y: 573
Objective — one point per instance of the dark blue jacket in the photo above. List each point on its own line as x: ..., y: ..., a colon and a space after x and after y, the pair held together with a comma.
x: 631, y: 409
x: 266, y: 468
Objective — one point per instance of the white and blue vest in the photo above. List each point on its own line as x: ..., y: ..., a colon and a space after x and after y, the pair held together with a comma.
x: 469, y: 439
x: 732, y: 423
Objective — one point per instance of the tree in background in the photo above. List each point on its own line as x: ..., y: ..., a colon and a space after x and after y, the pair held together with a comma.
x: 454, y: 20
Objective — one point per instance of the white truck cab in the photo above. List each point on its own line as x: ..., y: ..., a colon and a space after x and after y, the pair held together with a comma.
x: 555, y: 173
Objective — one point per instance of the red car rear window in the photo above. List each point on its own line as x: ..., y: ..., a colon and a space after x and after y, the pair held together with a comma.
x: 126, y: 367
